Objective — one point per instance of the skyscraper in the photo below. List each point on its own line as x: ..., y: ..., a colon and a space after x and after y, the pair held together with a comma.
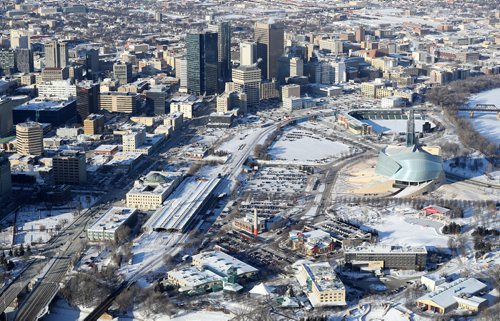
x: 270, y: 46
x: 360, y: 34
x: 87, y: 99
x: 56, y: 54
x: 29, y: 139
x: 123, y: 72
x: 24, y: 60
x: 296, y: 67
x: 223, y: 30
x: 7, y: 62
x: 92, y: 63
x: 248, y: 53
x: 202, y: 62
x: 5, y: 177
x: 247, y: 79
x: 340, y: 72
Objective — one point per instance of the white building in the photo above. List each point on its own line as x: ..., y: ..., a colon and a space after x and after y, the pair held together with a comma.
x: 56, y: 90
x: 109, y: 225
x: 150, y: 191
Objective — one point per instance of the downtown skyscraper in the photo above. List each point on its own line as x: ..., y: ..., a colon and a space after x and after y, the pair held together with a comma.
x: 202, y: 62
x: 270, y: 46
x: 56, y: 54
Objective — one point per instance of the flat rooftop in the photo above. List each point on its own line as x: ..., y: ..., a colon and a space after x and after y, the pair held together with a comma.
x: 42, y: 104
x: 221, y: 262
x: 113, y: 219
x: 386, y: 249
x: 324, y: 276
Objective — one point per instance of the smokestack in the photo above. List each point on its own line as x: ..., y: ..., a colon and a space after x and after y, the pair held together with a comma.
x: 255, y: 223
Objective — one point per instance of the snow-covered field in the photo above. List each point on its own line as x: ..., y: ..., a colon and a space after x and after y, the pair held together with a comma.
x: 306, y: 147
x: 397, y: 225
x: 486, y: 123
x: 394, y: 125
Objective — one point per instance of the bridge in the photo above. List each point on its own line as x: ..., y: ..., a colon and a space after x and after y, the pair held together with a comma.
x: 488, y: 108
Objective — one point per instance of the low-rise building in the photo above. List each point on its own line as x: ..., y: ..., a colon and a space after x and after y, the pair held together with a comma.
x: 211, y: 271
x: 459, y: 294
x: 109, y: 226
x: 324, y: 288
x: 392, y: 257
x: 150, y: 191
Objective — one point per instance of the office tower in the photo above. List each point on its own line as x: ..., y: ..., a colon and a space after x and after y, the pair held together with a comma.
x: 158, y: 16
x: 123, y: 72
x: 54, y: 112
x: 24, y: 60
x: 270, y: 46
x: 248, y: 53
x: 296, y: 67
x: 283, y: 69
x: 202, y: 61
x: 223, y: 30
x: 7, y: 62
x: 92, y: 63
x: 156, y: 99
x: 232, y: 100
x: 93, y: 124
x: 247, y: 79
x: 69, y: 167
x: 29, y: 139
x: 289, y: 91
x: 181, y: 71
x: 360, y: 34
x: 19, y: 39
x: 5, y: 116
x: 340, y: 72
x: 116, y: 102
x: 87, y: 99
x: 5, y: 178
x: 56, y: 90
x: 56, y: 54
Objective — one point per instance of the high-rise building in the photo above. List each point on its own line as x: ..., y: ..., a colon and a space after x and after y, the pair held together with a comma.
x: 56, y: 54
x: 19, y: 39
x: 270, y: 46
x: 340, y: 72
x: 116, y: 102
x: 5, y: 177
x: 123, y: 72
x: 87, y: 99
x: 24, y: 60
x: 360, y: 34
x: 248, y: 53
x: 5, y: 116
x: 223, y: 30
x: 93, y: 124
x: 202, y: 62
x: 156, y: 99
x: 92, y: 63
x: 247, y: 79
x: 181, y: 71
x: 296, y: 67
x: 69, y: 167
x: 283, y: 69
x: 7, y: 62
x: 29, y: 139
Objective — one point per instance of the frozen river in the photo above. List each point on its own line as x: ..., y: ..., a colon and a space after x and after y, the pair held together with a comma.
x: 486, y: 124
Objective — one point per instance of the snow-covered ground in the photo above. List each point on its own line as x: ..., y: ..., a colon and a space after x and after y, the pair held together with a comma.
x: 486, y: 123
x: 397, y: 225
x: 397, y: 126
x: 37, y: 224
x: 306, y: 147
